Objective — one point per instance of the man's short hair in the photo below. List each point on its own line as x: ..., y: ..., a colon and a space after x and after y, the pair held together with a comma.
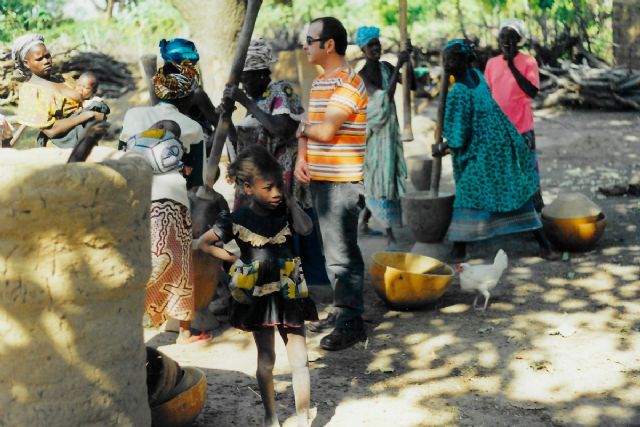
x: 332, y: 28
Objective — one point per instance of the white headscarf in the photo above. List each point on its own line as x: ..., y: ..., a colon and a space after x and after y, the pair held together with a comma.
x: 21, y: 47
x: 516, y: 25
x: 259, y: 56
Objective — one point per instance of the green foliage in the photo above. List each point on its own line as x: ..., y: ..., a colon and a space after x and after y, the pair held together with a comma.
x: 140, y: 24
x: 135, y: 29
x: 20, y: 16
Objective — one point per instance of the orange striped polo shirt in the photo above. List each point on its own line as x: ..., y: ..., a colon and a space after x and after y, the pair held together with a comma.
x: 342, y: 158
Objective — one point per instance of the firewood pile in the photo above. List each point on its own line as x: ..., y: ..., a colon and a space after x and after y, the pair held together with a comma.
x: 585, y: 85
x: 114, y: 77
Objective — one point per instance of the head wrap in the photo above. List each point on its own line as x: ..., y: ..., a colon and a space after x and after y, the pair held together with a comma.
x: 516, y: 25
x: 466, y: 48
x: 365, y: 34
x: 21, y: 47
x: 176, y: 85
x: 177, y: 50
x: 259, y: 56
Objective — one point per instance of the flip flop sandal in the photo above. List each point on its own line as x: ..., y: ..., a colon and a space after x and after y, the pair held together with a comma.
x: 200, y: 339
x: 373, y: 233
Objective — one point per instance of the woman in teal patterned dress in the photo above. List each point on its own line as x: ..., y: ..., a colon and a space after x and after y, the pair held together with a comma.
x: 491, y: 162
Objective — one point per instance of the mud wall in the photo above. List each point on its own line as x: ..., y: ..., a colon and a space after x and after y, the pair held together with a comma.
x: 74, y: 260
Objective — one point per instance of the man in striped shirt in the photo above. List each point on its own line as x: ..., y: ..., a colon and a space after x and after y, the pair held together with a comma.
x: 331, y: 147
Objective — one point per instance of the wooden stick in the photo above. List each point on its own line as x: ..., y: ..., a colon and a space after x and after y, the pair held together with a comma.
x: 436, y: 167
x: 407, y: 133
x: 149, y: 68
x: 16, y: 136
x: 220, y: 136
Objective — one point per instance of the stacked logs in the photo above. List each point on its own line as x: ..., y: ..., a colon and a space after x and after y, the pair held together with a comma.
x: 114, y: 76
x: 582, y: 85
x: 8, y: 84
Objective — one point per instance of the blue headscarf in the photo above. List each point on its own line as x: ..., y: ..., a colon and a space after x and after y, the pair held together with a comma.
x: 177, y: 50
x: 365, y: 34
x: 465, y: 48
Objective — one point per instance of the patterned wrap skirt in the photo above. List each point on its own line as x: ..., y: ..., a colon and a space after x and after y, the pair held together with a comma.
x: 269, y: 293
x: 169, y: 292
x: 469, y: 225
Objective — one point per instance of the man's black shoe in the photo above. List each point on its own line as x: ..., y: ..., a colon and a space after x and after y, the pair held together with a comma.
x: 321, y: 325
x: 341, y: 338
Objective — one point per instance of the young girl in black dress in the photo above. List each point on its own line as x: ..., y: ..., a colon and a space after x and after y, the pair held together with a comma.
x: 267, y: 283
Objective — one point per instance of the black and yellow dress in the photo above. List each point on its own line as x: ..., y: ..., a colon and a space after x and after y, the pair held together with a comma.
x: 267, y: 282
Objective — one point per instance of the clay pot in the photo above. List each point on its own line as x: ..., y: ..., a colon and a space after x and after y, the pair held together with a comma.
x: 419, y: 171
x: 574, y: 234
x: 206, y: 269
x: 188, y: 399
x: 573, y: 222
x: 428, y: 218
x: 407, y: 281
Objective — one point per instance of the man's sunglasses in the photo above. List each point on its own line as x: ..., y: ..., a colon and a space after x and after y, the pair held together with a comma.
x: 310, y: 40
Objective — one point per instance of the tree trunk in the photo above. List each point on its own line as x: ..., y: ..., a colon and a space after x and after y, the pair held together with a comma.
x: 626, y: 32
x: 109, y: 11
x: 214, y: 26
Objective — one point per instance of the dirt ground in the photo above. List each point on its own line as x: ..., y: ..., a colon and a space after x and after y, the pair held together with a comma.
x: 558, y: 345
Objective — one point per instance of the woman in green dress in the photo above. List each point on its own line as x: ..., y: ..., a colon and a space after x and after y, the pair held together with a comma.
x: 494, y: 180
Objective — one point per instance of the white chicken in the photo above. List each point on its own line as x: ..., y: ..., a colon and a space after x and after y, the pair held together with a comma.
x: 482, y: 278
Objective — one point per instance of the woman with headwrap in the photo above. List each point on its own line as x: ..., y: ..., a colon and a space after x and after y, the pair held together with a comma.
x: 385, y: 170
x: 514, y: 80
x: 45, y: 103
x: 169, y: 292
x: 491, y: 161
x: 274, y: 112
x: 199, y: 106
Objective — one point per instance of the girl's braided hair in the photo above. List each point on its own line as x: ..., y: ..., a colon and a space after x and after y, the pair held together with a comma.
x: 253, y: 161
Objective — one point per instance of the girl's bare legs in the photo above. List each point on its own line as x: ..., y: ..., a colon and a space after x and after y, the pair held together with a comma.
x: 296, y: 345
x: 266, y: 359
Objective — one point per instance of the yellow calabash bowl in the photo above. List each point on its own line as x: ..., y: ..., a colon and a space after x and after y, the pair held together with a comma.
x: 576, y: 234
x: 182, y: 409
x: 408, y: 281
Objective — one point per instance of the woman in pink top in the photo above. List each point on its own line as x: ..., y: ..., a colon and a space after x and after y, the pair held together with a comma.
x: 514, y: 80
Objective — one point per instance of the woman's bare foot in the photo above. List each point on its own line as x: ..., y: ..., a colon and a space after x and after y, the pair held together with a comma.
x: 186, y: 337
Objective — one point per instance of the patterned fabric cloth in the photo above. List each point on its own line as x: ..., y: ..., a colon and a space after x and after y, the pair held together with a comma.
x: 491, y: 162
x: 177, y: 50
x: 21, y: 47
x: 169, y: 292
x: 259, y: 56
x: 468, y: 225
x: 267, y: 282
x: 40, y: 106
x: 342, y: 158
x: 365, y: 34
x: 385, y: 171
x: 267, y: 263
x: 176, y: 85
x: 505, y: 89
x: 279, y: 98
